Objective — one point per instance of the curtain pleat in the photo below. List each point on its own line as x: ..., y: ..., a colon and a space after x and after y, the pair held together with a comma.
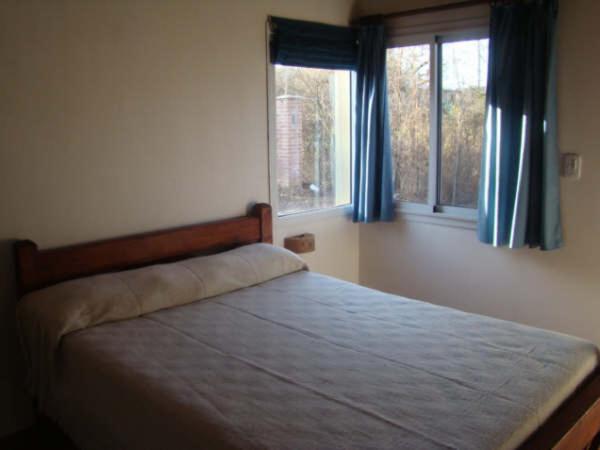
x: 372, y: 185
x: 519, y: 201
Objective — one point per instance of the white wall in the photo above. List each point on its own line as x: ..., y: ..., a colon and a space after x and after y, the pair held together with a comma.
x: 120, y: 116
x: 558, y: 290
x: 336, y: 241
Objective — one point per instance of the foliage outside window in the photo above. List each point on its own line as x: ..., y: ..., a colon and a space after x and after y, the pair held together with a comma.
x: 313, y: 138
x: 436, y: 93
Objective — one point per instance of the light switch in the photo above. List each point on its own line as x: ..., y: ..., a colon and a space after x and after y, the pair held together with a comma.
x: 570, y: 166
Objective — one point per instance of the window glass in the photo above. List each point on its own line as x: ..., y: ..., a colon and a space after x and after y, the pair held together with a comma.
x: 313, y: 138
x: 408, y: 71
x: 463, y: 90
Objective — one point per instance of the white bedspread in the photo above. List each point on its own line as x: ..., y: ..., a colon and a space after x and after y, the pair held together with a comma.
x: 305, y: 361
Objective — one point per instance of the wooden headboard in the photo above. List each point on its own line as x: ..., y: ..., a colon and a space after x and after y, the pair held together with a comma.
x: 36, y: 269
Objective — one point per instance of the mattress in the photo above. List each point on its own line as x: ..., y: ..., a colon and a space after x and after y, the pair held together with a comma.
x: 305, y: 361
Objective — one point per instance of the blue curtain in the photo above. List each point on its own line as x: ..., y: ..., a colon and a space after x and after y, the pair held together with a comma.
x: 310, y: 44
x: 373, y: 191
x: 519, y: 200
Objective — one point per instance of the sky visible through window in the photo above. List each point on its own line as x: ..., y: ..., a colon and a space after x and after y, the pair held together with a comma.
x: 465, y: 64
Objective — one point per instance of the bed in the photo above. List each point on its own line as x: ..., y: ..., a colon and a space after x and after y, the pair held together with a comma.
x: 209, y: 337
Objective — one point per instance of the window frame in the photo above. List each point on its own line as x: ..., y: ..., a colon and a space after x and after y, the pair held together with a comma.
x: 328, y: 211
x: 433, y: 209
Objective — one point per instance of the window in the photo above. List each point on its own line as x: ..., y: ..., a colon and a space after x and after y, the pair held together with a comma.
x: 436, y: 92
x: 409, y: 94
x: 313, y: 138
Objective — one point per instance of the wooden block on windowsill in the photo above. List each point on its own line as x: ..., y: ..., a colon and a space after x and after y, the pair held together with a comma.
x: 302, y: 243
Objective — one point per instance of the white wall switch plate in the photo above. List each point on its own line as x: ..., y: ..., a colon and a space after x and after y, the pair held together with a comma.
x: 570, y: 165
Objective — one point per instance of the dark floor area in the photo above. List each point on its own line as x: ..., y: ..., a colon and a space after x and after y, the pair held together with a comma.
x: 43, y: 435
x: 46, y: 435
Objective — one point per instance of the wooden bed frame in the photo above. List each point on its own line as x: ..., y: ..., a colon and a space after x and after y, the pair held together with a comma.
x: 36, y: 268
x: 575, y: 425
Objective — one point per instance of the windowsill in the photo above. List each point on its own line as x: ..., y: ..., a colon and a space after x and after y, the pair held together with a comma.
x: 457, y: 218
x: 317, y: 214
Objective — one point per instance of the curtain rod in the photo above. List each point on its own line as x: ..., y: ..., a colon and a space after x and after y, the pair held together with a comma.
x: 429, y: 9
